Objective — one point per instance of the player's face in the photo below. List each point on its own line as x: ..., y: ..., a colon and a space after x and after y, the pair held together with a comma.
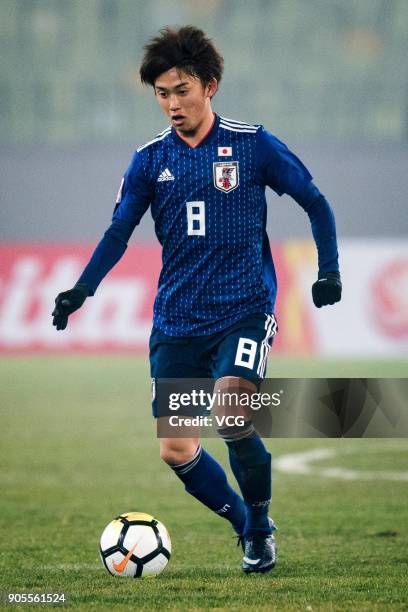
x: 184, y: 99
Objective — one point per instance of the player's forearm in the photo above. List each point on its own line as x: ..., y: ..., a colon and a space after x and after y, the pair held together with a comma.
x: 106, y: 255
x: 323, y: 227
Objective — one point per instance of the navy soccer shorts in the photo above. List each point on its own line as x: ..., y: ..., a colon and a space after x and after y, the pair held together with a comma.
x: 240, y: 350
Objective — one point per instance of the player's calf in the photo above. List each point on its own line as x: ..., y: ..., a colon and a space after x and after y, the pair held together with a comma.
x: 204, y: 478
x: 249, y: 459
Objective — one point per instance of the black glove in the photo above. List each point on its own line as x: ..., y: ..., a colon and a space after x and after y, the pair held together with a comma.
x: 327, y: 290
x: 68, y: 302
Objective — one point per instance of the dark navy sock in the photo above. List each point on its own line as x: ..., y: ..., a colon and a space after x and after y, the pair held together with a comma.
x: 251, y: 465
x: 206, y: 480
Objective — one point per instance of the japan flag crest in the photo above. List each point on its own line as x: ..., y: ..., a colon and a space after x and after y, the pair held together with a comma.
x: 226, y: 175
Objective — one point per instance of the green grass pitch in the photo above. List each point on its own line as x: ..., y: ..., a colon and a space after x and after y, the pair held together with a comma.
x: 78, y: 447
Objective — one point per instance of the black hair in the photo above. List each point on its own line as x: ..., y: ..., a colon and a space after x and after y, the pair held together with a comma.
x: 186, y: 48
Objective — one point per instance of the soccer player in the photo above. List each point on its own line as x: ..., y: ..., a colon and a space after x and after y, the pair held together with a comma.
x: 204, y: 178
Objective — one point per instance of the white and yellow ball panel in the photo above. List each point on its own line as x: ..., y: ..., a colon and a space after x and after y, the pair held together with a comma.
x: 143, y: 538
x: 111, y: 534
x: 137, y: 516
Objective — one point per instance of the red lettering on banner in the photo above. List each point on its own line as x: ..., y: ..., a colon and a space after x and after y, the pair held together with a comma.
x: 389, y: 296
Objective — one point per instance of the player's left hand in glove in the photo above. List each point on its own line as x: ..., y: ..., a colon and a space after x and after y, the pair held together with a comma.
x: 327, y: 289
x: 68, y: 302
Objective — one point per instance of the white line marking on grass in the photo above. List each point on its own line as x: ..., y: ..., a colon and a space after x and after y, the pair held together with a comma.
x: 300, y: 463
x: 70, y: 567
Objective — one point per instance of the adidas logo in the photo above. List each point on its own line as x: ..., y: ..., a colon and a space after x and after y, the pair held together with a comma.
x: 166, y: 175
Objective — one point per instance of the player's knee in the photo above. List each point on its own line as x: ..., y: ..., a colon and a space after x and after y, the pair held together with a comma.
x: 178, y: 450
x: 226, y: 381
x: 232, y: 409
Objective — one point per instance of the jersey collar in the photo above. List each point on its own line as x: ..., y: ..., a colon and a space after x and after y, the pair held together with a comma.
x: 210, y: 135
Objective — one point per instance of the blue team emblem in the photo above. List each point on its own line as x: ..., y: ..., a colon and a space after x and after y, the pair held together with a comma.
x: 226, y: 175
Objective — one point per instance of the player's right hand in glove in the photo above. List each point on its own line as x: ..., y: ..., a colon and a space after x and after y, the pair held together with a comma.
x: 68, y: 302
x: 327, y: 289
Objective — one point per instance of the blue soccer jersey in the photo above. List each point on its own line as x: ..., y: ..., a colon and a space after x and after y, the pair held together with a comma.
x: 209, y: 208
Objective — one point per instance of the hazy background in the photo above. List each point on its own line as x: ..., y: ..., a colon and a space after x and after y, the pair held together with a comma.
x: 329, y: 77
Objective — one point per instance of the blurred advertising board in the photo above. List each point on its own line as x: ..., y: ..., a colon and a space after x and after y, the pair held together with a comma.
x: 370, y: 321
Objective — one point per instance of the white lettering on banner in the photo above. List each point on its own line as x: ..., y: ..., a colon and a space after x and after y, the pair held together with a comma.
x: 27, y: 300
x: 115, y: 315
x: 25, y: 315
x: 371, y: 319
x: 14, y: 327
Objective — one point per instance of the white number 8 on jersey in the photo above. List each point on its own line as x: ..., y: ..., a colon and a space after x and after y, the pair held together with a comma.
x: 195, y: 218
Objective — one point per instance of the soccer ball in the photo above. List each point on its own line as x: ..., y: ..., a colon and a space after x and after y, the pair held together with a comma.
x: 135, y: 545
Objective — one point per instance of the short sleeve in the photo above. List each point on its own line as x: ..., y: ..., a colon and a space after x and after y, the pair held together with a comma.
x: 135, y: 193
x: 278, y: 167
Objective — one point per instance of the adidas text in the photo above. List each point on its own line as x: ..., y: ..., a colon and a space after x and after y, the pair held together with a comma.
x: 166, y: 175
